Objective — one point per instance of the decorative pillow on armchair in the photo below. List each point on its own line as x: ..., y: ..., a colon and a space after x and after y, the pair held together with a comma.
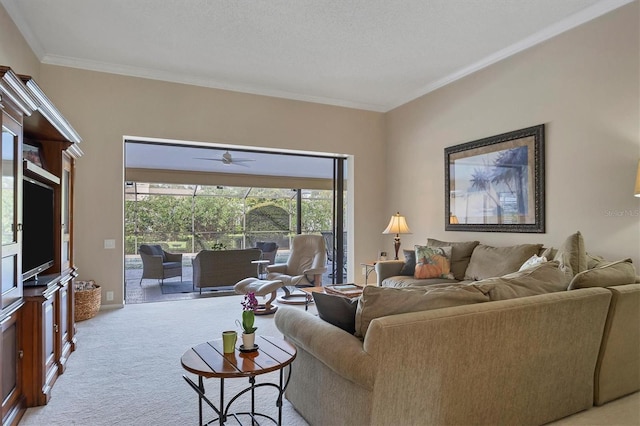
x: 433, y: 262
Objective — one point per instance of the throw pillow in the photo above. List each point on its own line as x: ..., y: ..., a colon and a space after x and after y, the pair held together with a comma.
x: 377, y: 302
x: 614, y: 273
x: 533, y: 261
x: 549, y: 252
x: 573, y: 252
x: 563, y: 259
x: 460, y: 255
x: 488, y: 261
x: 539, y: 279
x: 433, y: 262
x: 593, y: 261
x: 409, y: 266
x: 337, y: 310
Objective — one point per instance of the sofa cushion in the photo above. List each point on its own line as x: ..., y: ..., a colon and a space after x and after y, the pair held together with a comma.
x: 377, y: 302
x: 402, y: 281
x: 171, y: 265
x: 433, y: 262
x: 610, y: 274
x: 540, y: 279
x: 337, y: 310
x: 573, y: 252
x: 487, y: 261
x: 460, y: 255
x: 409, y: 266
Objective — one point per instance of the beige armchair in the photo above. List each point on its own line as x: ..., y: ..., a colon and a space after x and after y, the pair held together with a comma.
x: 159, y: 264
x: 305, y: 266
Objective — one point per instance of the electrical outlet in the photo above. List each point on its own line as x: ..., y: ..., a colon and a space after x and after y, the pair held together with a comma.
x: 109, y: 296
x: 364, y: 270
x: 109, y: 244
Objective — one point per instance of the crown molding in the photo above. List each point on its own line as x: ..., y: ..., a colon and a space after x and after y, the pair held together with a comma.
x: 596, y: 10
x: 152, y: 74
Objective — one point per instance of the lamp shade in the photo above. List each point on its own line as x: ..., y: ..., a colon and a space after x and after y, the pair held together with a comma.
x: 397, y: 225
x: 637, y: 191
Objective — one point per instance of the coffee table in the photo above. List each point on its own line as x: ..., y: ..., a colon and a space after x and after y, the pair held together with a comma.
x: 207, y: 360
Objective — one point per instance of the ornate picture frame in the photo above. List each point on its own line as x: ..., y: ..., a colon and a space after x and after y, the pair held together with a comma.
x: 496, y: 184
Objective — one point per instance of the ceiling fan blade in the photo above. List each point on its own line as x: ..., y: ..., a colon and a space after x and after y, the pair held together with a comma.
x: 228, y: 160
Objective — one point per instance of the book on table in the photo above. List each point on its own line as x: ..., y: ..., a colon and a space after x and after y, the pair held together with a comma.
x: 348, y: 290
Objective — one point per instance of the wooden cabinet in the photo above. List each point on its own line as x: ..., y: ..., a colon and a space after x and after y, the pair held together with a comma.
x: 66, y: 339
x: 50, y: 312
x: 36, y: 320
x: 66, y: 184
x: 15, y: 102
x: 40, y: 315
x: 11, y: 210
x: 13, y: 400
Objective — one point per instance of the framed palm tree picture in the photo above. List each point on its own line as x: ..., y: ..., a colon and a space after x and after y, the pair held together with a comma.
x: 496, y: 184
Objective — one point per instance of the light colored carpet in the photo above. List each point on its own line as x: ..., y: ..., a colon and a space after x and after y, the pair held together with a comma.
x: 126, y: 369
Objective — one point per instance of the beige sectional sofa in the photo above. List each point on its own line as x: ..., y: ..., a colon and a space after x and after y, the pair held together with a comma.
x: 501, y: 359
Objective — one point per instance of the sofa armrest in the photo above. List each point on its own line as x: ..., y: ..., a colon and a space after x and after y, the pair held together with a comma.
x: 278, y: 267
x: 340, y: 351
x: 388, y: 268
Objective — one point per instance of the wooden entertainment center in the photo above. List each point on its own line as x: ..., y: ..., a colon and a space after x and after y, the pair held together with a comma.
x: 39, y: 150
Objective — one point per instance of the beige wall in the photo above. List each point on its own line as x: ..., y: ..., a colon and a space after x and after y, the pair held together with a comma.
x: 14, y: 50
x: 104, y: 107
x: 584, y: 86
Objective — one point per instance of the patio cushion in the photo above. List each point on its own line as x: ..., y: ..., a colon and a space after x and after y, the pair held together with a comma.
x: 156, y: 250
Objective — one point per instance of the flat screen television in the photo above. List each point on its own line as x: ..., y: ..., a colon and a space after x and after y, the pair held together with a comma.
x: 38, y: 252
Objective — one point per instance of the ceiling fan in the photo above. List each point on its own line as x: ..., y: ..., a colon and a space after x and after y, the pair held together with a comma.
x: 228, y: 160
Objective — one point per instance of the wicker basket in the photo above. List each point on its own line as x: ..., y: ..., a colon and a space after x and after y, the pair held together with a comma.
x: 87, y: 300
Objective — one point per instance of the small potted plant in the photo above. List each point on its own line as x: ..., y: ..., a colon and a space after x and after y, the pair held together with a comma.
x: 249, y: 305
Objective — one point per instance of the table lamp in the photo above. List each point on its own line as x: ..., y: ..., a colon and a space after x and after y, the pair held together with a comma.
x: 397, y: 225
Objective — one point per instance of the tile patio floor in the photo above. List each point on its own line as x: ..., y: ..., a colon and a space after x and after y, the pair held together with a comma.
x: 150, y: 290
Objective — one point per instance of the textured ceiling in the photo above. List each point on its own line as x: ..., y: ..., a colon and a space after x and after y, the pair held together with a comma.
x: 369, y: 54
